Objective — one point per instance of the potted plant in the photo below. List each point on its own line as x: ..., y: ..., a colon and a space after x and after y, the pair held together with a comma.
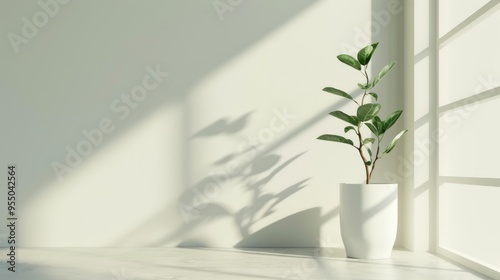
x: 368, y: 212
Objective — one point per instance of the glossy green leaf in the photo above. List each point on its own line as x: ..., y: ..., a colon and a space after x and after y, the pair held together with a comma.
x: 347, y: 128
x: 368, y: 111
x: 365, y: 54
x: 372, y: 128
x: 383, y: 72
x: 394, y: 142
x: 335, y: 138
x: 361, y: 86
x: 374, y: 95
x: 338, y: 92
x: 391, y: 119
x: 349, y: 60
x: 345, y: 117
x: 368, y: 140
x: 379, y: 124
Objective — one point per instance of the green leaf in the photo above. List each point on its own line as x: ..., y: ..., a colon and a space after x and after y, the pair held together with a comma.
x: 335, y: 138
x: 365, y: 54
x: 368, y: 111
x: 345, y: 117
x: 394, y: 141
x: 369, y: 163
x: 361, y: 86
x: 347, y: 128
x: 368, y: 140
x: 372, y: 128
x: 374, y: 95
x: 383, y: 72
x: 349, y: 60
x: 338, y: 92
x: 369, y: 152
x: 379, y: 124
x: 391, y: 119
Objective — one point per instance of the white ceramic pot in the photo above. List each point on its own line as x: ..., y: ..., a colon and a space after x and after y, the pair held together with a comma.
x: 368, y: 219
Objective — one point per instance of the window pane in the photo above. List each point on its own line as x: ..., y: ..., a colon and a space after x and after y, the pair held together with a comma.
x: 453, y: 12
x: 468, y: 142
x: 468, y: 63
x: 470, y: 223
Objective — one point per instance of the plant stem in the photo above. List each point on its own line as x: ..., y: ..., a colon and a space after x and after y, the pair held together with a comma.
x: 367, y: 82
x: 360, y: 149
x: 376, y: 157
x: 368, y: 171
x: 366, y: 75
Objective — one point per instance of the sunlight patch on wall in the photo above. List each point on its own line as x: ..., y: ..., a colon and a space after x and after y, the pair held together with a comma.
x: 462, y: 153
x: 452, y: 14
x: 465, y: 71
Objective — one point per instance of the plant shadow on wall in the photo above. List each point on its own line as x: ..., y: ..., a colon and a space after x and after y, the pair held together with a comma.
x: 263, y: 162
x: 264, y: 167
x: 245, y: 175
x: 156, y: 41
x: 200, y: 208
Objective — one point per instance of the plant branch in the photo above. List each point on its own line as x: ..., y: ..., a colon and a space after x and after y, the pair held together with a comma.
x: 366, y: 75
x: 367, y: 170
x: 367, y: 82
x: 366, y: 114
x: 376, y: 156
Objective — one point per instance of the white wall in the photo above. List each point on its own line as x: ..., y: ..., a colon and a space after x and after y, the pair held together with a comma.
x: 232, y: 73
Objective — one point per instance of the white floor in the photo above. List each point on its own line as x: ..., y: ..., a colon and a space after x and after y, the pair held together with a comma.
x: 207, y: 264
